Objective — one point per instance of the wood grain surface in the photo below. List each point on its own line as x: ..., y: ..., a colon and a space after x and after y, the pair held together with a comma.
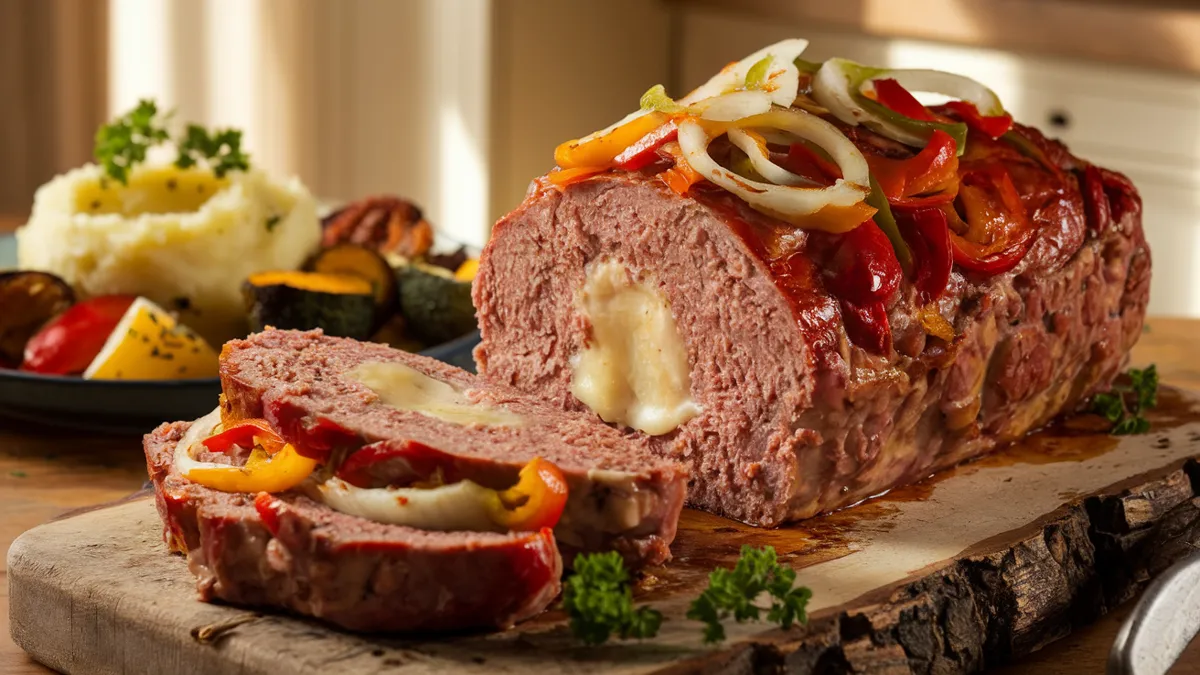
x: 45, y: 473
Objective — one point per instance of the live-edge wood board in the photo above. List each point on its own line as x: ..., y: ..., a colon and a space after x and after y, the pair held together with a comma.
x: 967, y: 570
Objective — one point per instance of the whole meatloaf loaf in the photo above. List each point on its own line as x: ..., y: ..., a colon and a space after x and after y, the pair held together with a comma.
x: 364, y: 408
x: 809, y: 287
x: 289, y: 551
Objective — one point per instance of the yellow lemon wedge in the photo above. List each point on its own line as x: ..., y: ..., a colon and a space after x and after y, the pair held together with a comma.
x: 148, y: 344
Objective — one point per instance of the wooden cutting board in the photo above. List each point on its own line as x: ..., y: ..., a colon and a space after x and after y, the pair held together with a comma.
x: 968, y: 570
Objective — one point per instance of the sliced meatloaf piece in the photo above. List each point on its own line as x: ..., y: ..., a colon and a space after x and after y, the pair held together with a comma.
x: 777, y: 412
x: 311, y: 388
x: 361, y: 575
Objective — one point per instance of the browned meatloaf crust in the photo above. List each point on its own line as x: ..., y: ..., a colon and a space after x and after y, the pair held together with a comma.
x: 796, y: 419
x: 294, y: 380
x: 348, y: 571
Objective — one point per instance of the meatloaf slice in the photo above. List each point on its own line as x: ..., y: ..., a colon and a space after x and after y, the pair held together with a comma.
x: 351, y: 572
x: 622, y: 496
x: 786, y: 416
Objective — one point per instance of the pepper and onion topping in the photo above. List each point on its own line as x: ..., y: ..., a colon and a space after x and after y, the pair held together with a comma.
x: 536, y: 501
x: 780, y: 133
x: 434, y: 496
x: 272, y: 466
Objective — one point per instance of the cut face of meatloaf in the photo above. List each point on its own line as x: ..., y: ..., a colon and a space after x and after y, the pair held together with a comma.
x: 753, y: 381
x: 301, y: 556
x: 332, y: 397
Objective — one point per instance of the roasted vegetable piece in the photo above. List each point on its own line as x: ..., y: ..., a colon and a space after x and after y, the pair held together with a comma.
x: 436, y: 306
x: 27, y: 301
x: 149, y: 344
x: 341, y: 304
x: 69, y: 343
x: 385, y: 223
x: 362, y: 262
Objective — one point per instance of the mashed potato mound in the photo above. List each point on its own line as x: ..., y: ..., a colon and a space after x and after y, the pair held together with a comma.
x: 181, y: 237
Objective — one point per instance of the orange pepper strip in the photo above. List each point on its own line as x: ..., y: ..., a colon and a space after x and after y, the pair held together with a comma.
x: 564, y: 177
x: 536, y: 501
x: 681, y: 177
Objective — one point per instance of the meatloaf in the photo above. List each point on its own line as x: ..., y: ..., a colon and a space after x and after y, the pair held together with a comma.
x: 315, y: 393
x: 290, y: 552
x: 777, y: 409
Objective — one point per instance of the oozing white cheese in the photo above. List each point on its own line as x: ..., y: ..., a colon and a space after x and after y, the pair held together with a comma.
x: 634, y: 369
x: 402, y: 387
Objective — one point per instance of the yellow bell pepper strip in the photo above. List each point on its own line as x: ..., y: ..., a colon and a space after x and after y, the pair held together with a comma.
x: 600, y: 150
x: 536, y: 501
x: 263, y: 471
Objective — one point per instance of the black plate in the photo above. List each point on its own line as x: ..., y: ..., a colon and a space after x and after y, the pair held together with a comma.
x: 137, y: 406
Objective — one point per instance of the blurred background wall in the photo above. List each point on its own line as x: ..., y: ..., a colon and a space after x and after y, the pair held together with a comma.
x: 456, y: 104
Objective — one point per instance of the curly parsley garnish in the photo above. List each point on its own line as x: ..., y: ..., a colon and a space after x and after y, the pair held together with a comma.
x: 1125, y: 405
x: 599, y: 600
x: 735, y: 593
x: 222, y: 149
x: 124, y: 142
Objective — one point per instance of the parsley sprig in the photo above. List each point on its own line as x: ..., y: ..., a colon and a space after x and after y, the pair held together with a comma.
x: 599, y: 600
x: 1124, y: 406
x: 124, y: 142
x: 735, y: 593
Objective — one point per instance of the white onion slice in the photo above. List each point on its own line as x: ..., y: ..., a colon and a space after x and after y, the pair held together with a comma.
x: 786, y: 202
x: 732, y: 106
x: 955, y: 86
x: 198, y: 431
x: 783, y: 81
x: 833, y: 88
x: 460, y: 506
x: 760, y: 159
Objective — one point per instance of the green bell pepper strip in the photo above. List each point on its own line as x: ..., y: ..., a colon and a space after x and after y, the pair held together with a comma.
x: 887, y: 222
x: 859, y: 74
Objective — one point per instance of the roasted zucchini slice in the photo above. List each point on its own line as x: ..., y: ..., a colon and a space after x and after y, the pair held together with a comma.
x: 436, y: 307
x: 340, y: 304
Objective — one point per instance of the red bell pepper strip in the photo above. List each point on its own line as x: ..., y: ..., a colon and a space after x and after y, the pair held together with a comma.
x: 645, y: 151
x: 891, y: 94
x: 863, y: 268
x: 927, y: 179
x: 997, y: 232
x: 68, y: 344
x: 269, y: 508
x: 417, y: 463
x: 246, y: 433
x: 536, y: 501
x: 867, y: 326
x: 804, y: 161
x: 1095, y: 200
x: 928, y: 236
x: 993, y: 126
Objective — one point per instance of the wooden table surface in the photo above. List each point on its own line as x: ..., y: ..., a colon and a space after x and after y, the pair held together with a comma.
x: 45, y: 473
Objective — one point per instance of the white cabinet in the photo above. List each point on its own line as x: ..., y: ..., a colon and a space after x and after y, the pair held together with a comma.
x: 1143, y: 123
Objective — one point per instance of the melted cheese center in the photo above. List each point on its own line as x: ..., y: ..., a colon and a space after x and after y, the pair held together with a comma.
x: 634, y: 371
x: 404, y: 388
